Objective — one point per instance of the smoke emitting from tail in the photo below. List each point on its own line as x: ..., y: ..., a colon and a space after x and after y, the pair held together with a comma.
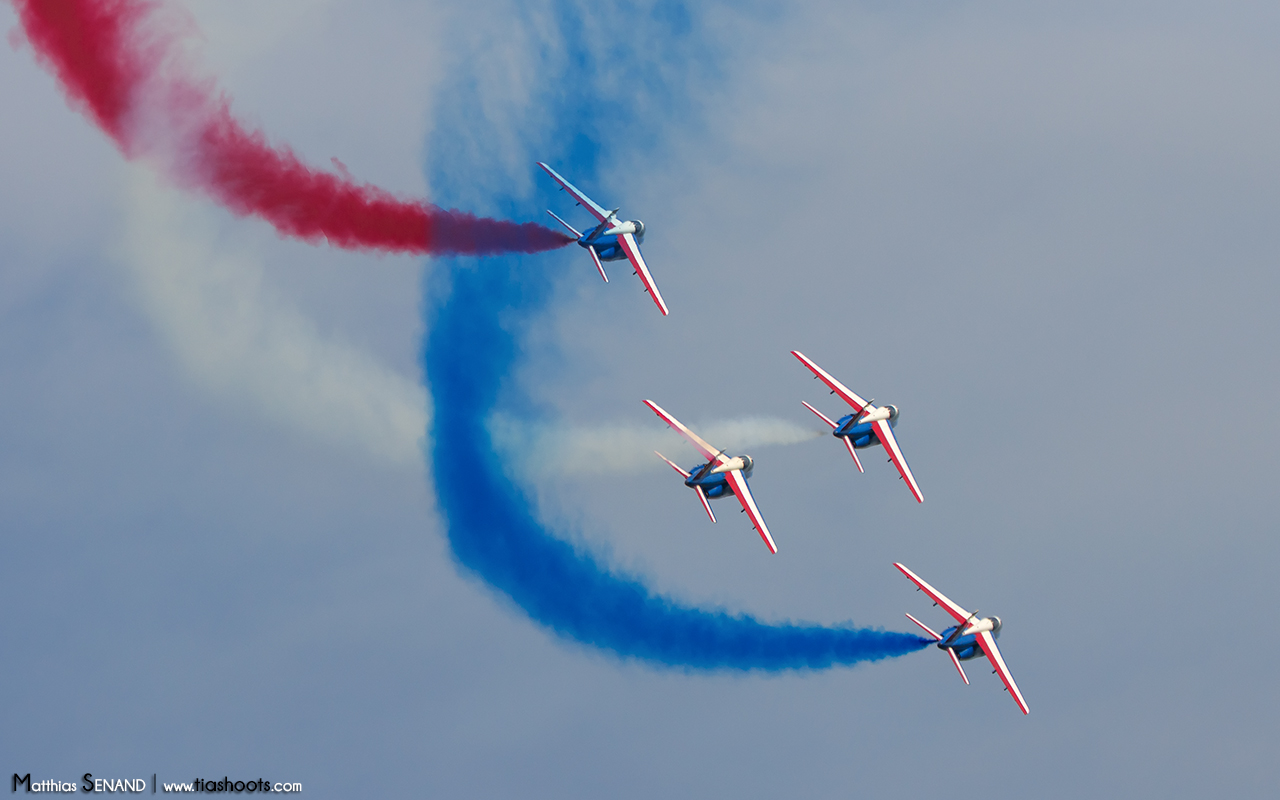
x: 542, y: 449
x: 129, y: 77
x: 121, y: 63
x: 494, y: 533
x: 475, y: 336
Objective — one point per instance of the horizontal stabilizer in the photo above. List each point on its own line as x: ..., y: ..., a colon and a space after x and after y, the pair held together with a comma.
x: 849, y: 444
x: 821, y: 416
x: 956, y: 660
x: 673, y: 465
x: 705, y: 505
x: 576, y: 233
x: 596, y: 258
x: 937, y: 637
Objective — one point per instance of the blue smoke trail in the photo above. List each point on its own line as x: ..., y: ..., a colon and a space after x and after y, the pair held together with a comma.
x: 472, y: 346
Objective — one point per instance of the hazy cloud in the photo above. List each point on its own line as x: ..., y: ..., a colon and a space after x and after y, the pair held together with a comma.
x: 235, y: 339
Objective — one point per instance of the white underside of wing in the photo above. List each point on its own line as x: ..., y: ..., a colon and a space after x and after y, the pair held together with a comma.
x: 743, y: 493
x: 997, y: 661
x: 586, y: 202
x: 632, y: 249
x: 708, y: 452
x: 884, y: 432
x: 848, y: 395
x: 957, y: 613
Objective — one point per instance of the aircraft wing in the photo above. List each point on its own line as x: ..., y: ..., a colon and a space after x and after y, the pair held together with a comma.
x: 884, y: 432
x: 708, y: 452
x: 957, y: 613
x: 743, y: 492
x: 632, y: 249
x: 586, y: 202
x: 836, y: 386
x: 997, y: 661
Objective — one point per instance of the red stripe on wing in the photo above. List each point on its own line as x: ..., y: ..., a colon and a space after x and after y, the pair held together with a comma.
x: 884, y: 432
x: 846, y: 394
x: 701, y: 445
x: 993, y: 655
x: 957, y: 613
x: 632, y: 250
x: 743, y: 493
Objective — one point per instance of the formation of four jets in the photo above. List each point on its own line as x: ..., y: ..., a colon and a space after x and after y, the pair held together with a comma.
x: 721, y: 475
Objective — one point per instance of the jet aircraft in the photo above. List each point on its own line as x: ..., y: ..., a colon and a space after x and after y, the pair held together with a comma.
x: 720, y: 476
x: 971, y: 638
x: 865, y: 427
x: 611, y: 240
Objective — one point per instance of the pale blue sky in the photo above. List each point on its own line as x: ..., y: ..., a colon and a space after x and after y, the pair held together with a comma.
x: 1044, y: 234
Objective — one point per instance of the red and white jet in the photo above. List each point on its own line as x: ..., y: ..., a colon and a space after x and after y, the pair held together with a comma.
x: 866, y: 427
x: 611, y: 240
x: 721, y: 475
x: 970, y: 638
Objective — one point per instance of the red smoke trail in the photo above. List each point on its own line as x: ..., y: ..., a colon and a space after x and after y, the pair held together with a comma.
x: 107, y: 61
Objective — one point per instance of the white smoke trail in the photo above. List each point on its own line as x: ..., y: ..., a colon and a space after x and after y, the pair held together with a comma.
x: 536, y: 450
x: 236, y: 340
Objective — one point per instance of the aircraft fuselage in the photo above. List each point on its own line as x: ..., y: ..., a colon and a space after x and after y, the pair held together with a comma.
x: 965, y: 647
x: 862, y: 434
x: 607, y: 247
x: 715, y: 484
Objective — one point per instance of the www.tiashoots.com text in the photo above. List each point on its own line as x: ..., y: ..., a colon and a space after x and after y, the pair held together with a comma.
x: 88, y: 783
